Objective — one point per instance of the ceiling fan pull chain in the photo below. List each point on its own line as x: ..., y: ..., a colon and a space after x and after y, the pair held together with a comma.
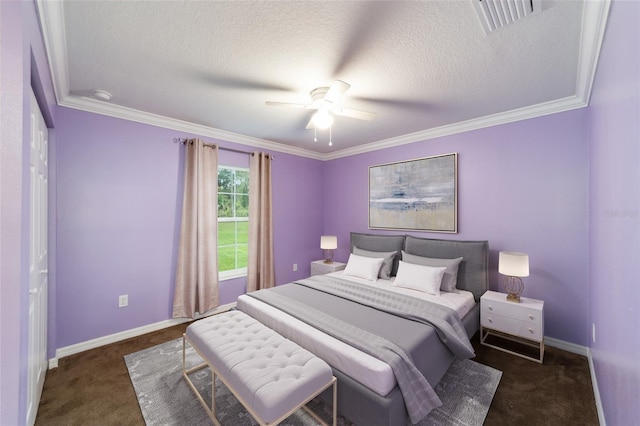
x: 330, y: 143
x: 315, y: 134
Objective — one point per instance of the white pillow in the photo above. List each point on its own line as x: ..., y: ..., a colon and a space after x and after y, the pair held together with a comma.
x: 363, y: 267
x: 426, y: 279
x: 450, y: 278
x: 387, y: 264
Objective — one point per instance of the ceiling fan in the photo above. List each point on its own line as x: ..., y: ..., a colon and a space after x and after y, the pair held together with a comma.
x: 325, y: 100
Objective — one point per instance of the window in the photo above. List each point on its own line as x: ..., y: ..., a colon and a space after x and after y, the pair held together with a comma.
x: 233, y: 221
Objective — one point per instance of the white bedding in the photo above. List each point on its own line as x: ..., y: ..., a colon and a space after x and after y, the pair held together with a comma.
x: 371, y: 372
x: 460, y: 301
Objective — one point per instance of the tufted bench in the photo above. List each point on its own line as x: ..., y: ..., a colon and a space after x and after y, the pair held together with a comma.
x: 270, y: 375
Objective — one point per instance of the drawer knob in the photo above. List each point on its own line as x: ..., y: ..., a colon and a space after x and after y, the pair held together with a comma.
x: 490, y: 320
x: 530, y: 316
x: 491, y: 308
x: 531, y: 331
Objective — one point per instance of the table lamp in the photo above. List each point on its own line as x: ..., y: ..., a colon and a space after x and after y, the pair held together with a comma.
x: 328, y: 243
x: 513, y: 265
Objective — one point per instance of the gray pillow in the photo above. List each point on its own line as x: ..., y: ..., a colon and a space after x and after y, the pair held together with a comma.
x: 387, y: 264
x: 450, y: 278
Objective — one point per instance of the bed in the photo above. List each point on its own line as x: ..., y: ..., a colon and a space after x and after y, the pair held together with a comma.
x: 371, y: 391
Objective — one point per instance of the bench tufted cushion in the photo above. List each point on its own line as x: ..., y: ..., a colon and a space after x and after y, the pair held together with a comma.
x: 271, y: 374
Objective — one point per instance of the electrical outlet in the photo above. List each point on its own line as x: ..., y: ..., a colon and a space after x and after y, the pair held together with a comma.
x: 593, y: 332
x: 123, y: 301
x: 295, y: 267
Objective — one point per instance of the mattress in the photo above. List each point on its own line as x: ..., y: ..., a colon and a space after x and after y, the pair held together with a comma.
x: 371, y: 372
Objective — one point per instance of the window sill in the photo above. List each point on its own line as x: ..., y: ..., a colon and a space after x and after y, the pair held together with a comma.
x: 230, y: 275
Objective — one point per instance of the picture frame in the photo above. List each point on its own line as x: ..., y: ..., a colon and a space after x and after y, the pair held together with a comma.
x: 416, y: 195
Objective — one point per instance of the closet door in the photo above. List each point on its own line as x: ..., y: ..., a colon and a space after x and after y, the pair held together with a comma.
x: 38, y: 262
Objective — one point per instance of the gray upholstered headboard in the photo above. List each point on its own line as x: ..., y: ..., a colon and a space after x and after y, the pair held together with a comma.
x: 473, y: 273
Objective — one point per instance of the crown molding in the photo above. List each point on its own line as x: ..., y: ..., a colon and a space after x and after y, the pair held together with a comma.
x: 594, y: 19
x: 594, y: 22
x: 51, y: 17
x: 125, y: 113
x: 546, y: 108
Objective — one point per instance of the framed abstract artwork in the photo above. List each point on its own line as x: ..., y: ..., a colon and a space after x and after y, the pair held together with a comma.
x: 417, y: 195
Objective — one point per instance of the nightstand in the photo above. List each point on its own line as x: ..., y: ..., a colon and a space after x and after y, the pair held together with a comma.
x: 522, y: 323
x: 318, y: 267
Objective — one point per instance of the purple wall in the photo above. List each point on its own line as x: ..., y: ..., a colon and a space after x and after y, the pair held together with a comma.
x: 521, y: 186
x: 11, y: 132
x: 118, y: 220
x: 22, y: 56
x: 614, y: 163
x: 563, y: 188
x: 297, y: 214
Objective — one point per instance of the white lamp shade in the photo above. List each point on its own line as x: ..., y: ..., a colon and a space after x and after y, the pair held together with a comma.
x: 328, y: 242
x: 513, y: 264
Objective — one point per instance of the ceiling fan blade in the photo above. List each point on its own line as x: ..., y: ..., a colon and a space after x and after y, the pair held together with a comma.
x: 238, y: 82
x: 354, y: 113
x: 337, y: 89
x: 288, y: 104
x: 398, y: 103
x: 310, y: 124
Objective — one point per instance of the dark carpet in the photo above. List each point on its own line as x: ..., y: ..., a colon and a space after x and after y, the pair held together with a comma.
x: 94, y: 387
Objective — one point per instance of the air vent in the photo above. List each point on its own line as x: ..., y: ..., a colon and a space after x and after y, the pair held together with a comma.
x: 494, y: 14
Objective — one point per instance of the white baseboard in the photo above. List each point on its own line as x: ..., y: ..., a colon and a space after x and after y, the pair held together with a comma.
x: 116, y: 337
x: 566, y: 346
x: 596, y: 390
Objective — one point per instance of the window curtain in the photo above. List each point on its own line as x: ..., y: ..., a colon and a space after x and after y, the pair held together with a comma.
x: 260, y: 267
x: 196, y: 288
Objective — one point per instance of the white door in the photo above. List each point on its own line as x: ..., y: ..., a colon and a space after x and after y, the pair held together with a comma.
x: 38, y: 263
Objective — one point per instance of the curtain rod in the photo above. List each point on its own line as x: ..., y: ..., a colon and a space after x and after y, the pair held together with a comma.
x: 184, y: 140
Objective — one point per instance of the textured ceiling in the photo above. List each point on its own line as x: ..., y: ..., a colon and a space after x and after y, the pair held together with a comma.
x: 418, y: 66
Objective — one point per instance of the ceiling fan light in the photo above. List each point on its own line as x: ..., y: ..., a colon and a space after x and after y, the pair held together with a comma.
x: 322, y: 119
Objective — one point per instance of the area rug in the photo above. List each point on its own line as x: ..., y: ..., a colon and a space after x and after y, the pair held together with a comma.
x: 466, y: 391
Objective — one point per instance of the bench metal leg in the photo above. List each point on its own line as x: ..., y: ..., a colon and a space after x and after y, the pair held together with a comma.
x: 185, y: 374
x: 334, y: 383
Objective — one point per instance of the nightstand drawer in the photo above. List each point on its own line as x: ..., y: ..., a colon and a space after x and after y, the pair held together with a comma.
x: 513, y: 310
x: 525, y: 329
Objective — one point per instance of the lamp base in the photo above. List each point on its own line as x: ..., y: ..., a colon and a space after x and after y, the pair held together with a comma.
x: 513, y: 286
x: 513, y: 298
x: 328, y: 256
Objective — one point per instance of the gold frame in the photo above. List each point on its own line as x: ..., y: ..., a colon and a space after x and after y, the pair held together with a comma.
x: 212, y: 411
